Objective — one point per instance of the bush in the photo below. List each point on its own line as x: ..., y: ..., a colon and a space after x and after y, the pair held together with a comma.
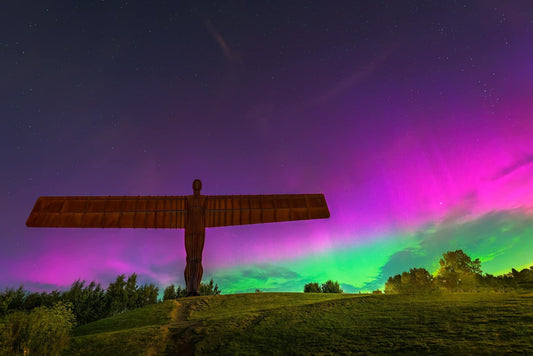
x: 43, y: 331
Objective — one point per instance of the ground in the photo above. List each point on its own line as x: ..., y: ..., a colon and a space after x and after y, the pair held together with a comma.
x: 297, y: 323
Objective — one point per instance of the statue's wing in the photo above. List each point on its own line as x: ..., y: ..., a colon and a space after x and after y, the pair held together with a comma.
x: 225, y: 210
x: 112, y: 211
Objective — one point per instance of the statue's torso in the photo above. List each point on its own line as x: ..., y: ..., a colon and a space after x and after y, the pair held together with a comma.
x: 195, y: 214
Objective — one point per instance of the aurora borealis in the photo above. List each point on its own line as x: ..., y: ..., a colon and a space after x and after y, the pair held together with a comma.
x: 414, y: 118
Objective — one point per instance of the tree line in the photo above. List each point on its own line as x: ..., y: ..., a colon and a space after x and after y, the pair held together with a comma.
x: 40, y: 323
x: 327, y: 287
x: 88, y: 302
x: 43, y: 331
x: 174, y: 292
x: 458, y: 273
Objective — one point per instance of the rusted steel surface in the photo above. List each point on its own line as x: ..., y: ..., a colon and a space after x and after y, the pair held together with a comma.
x: 170, y: 212
x: 110, y: 212
x: 227, y: 210
x: 193, y: 213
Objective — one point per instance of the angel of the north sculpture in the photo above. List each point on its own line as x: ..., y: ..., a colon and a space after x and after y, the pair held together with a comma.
x: 193, y: 213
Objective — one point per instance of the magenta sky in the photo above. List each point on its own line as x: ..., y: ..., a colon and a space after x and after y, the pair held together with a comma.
x: 415, y: 119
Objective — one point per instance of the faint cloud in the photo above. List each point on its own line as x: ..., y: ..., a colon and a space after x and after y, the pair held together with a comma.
x: 266, y: 277
x: 220, y: 40
x: 167, y: 268
x: 464, y: 208
x: 504, y: 172
x: 266, y: 271
x: 43, y: 287
x: 348, y: 288
x: 356, y: 76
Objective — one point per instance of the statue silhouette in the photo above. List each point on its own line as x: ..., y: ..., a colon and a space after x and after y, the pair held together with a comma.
x: 194, y: 213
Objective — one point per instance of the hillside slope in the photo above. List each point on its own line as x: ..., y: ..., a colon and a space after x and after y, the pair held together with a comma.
x: 296, y: 323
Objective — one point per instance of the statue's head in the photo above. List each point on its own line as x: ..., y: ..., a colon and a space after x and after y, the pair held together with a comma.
x: 197, y: 186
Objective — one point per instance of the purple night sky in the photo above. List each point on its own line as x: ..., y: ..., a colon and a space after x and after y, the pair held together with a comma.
x: 414, y: 118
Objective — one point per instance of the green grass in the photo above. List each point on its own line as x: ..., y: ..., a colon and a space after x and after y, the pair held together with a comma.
x: 296, y: 323
x: 156, y: 314
x: 138, y: 332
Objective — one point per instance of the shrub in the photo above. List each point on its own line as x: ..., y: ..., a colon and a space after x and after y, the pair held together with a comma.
x: 43, y: 331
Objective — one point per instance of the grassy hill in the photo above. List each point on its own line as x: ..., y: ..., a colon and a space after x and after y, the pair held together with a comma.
x: 297, y: 323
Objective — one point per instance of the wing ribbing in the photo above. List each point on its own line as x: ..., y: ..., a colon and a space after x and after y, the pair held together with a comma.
x: 226, y: 210
x: 109, y: 212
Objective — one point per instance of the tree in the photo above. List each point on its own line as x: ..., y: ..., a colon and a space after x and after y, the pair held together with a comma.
x: 147, y: 294
x: 524, y: 278
x: 33, y: 300
x: 169, y: 293
x: 125, y: 294
x: 460, y: 262
x: 458, y: 271
x: 52, y: 298
x: 417, y: 280
x: 497, y: 284
x: 181, y: 292
x: 312, y: 288
x: 116, y: 296
x: 131, y: 292
x: 208, y: 288
x: 12, y: 300
x: 331, y: 287
x: 173, y: 292
x: 394, y: 285
x: 88, y: 302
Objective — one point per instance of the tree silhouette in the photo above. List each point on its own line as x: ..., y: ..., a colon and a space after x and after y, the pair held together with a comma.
x: 458, y: 271
x: 394, y: 285
x: 209, y: 288
x: 312, y: 288
x: 169, y: 293
x: 331, y: 287
x: 460, y: 262
x: 417, y: 280
x: 116, y: 295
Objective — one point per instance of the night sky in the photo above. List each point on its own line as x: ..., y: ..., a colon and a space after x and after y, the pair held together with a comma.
x: 414, y: 118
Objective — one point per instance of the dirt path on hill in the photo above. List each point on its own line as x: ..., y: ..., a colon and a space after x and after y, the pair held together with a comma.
x: 178, y: 337
x: 172, y: 340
